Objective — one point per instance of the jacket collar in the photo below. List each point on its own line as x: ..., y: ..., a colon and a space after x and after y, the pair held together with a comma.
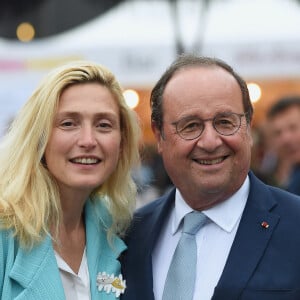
x: 250, y: 242
x: 36, y: 270
x: 258, y: 209
x: 141, y: 239
x: 102, y: 255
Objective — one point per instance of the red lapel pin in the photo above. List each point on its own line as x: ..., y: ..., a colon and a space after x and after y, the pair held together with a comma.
x: 265, y: 225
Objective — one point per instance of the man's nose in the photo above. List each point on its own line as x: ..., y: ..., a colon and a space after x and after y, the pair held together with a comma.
x: 209, y: 139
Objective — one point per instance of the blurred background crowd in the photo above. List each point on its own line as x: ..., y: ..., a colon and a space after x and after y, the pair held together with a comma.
x: 138, y: 39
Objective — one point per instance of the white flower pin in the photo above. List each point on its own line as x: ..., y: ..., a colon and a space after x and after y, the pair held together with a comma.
x: 110, y: 283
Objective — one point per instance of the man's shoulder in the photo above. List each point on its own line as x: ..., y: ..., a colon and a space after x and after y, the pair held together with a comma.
x: 278, y: 201
x: 155, y: 205
x: 285, y: 199
x: 259, y: 188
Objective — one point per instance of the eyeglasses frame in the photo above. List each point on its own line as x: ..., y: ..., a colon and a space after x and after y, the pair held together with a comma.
x: 213, y: 123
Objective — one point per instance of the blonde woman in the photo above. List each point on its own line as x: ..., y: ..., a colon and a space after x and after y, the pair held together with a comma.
x: 66, y: 191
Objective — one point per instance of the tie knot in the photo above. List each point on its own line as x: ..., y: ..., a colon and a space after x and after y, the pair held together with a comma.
x: 193, y: 222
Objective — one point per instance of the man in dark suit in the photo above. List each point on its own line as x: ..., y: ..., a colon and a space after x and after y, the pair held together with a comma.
x: 249, y: 245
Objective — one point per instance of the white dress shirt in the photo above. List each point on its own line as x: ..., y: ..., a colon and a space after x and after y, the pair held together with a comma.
x: 76, y: 286
x: 214, y: 241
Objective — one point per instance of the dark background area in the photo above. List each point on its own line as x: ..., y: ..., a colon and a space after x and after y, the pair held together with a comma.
x: 49, y: 17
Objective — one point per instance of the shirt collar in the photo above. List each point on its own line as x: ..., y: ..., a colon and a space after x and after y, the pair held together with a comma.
x: 225, y: 214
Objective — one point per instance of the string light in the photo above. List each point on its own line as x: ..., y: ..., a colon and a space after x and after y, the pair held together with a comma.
x: 25, y: 32
x: 254, y: 92
x: 131, y: 98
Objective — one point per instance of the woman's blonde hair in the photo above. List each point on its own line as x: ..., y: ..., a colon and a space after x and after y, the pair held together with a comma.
x: 29, y: 197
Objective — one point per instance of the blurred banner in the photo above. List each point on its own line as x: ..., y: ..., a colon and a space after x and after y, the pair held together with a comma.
x: 136, y: 40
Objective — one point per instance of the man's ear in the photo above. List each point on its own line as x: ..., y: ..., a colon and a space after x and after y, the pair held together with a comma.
x: 158, y: 135
x: 249, y: 128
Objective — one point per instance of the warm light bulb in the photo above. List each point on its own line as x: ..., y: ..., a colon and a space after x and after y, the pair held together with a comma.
x: 131, y: 98
x: 25, y: 32
x: 254, y: 92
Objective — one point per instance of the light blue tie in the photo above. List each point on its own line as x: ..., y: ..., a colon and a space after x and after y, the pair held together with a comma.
x: 181, y: 276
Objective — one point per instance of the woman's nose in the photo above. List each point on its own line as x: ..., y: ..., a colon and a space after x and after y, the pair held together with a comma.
x: 87, y: 137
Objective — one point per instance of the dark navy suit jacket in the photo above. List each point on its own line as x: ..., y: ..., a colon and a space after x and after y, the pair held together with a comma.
x: 263, y: 263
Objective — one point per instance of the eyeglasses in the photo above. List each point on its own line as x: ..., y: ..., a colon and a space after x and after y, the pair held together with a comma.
x: 190, y: 128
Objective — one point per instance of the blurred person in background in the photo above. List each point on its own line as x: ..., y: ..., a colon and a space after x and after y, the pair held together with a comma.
x: 262, y: 160
x: 66, y: 192
x: 248, y: 246
x: 284, y: 128
x: 151, y: 178
x: 266, y: 163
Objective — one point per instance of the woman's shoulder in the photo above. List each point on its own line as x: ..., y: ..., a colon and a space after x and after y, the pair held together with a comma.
x: 6, y: 235
x: 7, y: 245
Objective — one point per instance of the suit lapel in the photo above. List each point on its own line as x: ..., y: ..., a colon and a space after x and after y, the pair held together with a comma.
x: 139, y: 262
x: 250, y: 242
x: 100, y: 255
x: 36, y: 273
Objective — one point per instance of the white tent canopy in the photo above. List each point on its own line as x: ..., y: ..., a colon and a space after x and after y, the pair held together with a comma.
x: 136, y: 40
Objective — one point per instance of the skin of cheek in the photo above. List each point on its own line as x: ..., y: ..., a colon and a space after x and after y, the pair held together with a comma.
x: 115, y: 143
x: 247, y: 139
x: 174, y: 140
x: 241, y: 148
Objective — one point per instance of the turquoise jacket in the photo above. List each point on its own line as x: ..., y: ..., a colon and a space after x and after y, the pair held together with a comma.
x: 34, y: 274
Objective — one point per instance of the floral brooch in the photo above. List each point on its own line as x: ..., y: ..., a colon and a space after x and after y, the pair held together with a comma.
x: 110, y: 283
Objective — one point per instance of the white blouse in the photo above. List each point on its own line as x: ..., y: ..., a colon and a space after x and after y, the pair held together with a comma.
x: 76, y: 286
